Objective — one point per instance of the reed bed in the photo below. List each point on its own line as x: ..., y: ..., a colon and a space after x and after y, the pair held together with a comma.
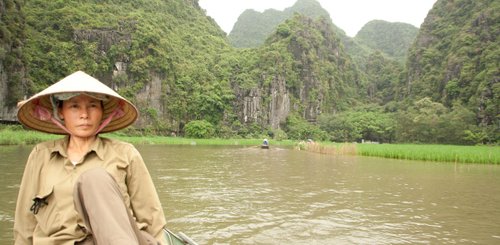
x: 328, y: 148
x: 15, y: 135
x: 160, y: 140
x: 439, y: 153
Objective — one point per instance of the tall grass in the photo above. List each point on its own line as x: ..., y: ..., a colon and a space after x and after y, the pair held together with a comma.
x: 161, y: 140
x: 328, y: 148
x: 16, y: 135
x: 440, y: 153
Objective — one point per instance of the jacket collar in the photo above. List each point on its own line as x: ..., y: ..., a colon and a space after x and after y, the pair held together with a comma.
x: 61, y: 147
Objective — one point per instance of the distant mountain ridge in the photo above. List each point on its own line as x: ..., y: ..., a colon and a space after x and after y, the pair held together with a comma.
x: 252, y: 27
x: 455, y: 58
x: 392, y: 38
x: 307, y: 80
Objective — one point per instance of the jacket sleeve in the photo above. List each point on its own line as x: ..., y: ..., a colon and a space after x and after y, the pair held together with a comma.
x: 144, y: 198
x: 24, y: 220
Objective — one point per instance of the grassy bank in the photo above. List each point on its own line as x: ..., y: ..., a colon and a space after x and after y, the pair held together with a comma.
x: 439, y: 153
x: 14, y: 135
x: 159, y: 140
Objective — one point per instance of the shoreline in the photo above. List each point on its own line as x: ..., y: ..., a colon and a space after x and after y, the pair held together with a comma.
x: 481, y: 154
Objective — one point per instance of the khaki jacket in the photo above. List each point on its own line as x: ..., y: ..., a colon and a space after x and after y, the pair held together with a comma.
x: 49, y: 174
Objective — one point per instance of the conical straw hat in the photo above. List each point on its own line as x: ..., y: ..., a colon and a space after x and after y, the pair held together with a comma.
x: 74, y: 83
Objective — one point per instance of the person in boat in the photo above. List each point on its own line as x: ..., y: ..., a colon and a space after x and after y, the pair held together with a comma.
x: 84, y: 188
x: 265, y: 142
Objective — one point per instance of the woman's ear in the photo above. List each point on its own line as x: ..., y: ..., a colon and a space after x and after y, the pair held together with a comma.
x: 60, y: 114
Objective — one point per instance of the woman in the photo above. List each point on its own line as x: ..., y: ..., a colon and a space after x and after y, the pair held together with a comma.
x: 84, y: 189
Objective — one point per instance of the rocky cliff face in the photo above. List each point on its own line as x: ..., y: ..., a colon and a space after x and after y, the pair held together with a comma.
x: 454, y: 56
x: 279, y: 104
x: 12, y: 68
x: 310, y: 74
x: 266, y: 107
x: 175, y: 65
x: 150, y: 94
x: 155, y: 53
x: 252, y: 27
x: 6, y: 112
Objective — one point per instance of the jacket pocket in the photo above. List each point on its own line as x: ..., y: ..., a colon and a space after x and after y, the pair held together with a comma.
x: 40, y: 201
x: 44, y: 209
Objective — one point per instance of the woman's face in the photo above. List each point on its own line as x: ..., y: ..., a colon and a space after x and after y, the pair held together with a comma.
x: 82, y: 115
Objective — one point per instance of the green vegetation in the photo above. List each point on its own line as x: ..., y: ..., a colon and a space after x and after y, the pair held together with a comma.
x: 253, y: 28
x: 12, y: 35
x: 16, y: 135
x: 455, y: 58
x: 306, y: 79
x: 368, y: 123
x: 159, y: 140
x: 393, y: 39
x: 199, y: 129
x: 437, y: 153
x: 440, y: 153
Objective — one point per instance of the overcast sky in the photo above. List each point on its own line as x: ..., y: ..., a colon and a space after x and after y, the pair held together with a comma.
x: 349, y: 15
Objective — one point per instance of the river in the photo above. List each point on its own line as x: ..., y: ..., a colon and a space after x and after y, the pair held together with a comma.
x: 248, y: 195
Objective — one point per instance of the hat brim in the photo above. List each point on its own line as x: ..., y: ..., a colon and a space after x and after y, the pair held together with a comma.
x: 76, y: 82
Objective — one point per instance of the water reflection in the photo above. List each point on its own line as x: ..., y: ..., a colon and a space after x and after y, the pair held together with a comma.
x: 252, y: 196
x: 246, y: 195
x: 12, y: 166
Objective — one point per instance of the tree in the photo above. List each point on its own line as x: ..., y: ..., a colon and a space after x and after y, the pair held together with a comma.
x: 199, y: 129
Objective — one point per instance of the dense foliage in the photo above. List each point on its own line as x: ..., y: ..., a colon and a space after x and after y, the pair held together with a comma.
x: 368, y: 123
x: 305, y: 80
x: 252, y: 27
x: 393, y: 39
x: 11, y: 55
x: 199, y: 129
x: 150, y: 37
x: 456, y: 58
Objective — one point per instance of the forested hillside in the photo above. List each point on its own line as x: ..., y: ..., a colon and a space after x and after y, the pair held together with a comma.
x: 393, y: 39
x: 160, y: 55
x: 302, y: 71
x: 11, y: 63
x: 455, y: 62
x: 252, y: 27
x: 306, y: 80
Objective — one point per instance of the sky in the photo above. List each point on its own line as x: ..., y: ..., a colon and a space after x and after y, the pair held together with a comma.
x: 349, y: 15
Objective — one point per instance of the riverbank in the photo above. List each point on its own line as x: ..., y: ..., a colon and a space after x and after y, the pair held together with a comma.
x: 482, y: 154
x: 439, y: 153
x: 15, y: 135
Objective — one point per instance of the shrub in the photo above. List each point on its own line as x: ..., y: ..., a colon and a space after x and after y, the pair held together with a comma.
x: 199, y: 129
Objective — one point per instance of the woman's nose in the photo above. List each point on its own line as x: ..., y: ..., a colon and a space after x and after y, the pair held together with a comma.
x: 84, y: 113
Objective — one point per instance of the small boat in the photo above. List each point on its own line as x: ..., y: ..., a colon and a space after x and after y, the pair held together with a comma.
x: 178, y: 239
x: 265, y: 144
